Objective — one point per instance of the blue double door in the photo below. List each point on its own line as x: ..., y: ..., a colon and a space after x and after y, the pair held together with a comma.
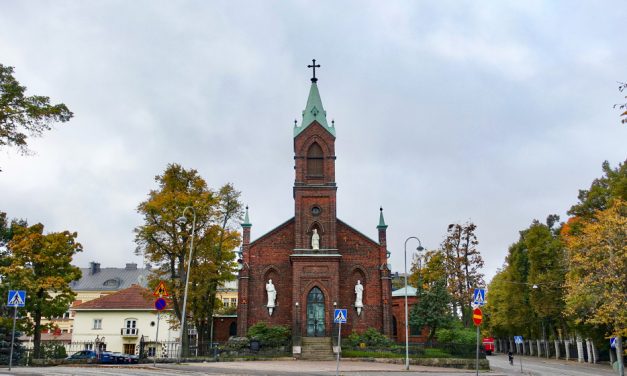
x: 315, y: 313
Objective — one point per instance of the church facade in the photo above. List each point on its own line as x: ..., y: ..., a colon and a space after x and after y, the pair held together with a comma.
x: 299, y: 272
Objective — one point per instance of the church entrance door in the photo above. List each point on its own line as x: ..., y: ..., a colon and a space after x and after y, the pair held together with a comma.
x: 315, y: 313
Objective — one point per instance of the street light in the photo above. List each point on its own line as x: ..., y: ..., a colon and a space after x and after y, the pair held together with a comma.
x: 183, y: 219
x: 406, y: 313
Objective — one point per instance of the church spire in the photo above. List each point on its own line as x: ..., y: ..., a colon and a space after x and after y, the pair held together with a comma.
x: 382, y: 225
x: 314, y: 110
x: 246, y: 223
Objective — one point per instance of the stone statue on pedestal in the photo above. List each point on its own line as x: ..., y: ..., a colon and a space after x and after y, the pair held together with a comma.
x: 359, y: 294
x: 271, y: 296
x: 315, y: 240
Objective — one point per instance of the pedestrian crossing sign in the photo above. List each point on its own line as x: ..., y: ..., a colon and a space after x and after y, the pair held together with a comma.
x: 518, y: 340
x: 16, y: 298
x: 478, y: 298
x: 613, y: 342
x: 339, y: 316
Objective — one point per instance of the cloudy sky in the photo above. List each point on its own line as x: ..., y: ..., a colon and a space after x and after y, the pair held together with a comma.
x: 494, y: 112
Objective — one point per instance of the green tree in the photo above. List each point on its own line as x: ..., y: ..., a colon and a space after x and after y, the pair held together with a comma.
x: 22, y: 116
x: 596, y: 281
x: 508, y: 295
x: 547, y: 269
x: 41, y: 265
x: 432, y: 309
x: 463, y: 263
x: 602, y: 191
x: 165, y: 241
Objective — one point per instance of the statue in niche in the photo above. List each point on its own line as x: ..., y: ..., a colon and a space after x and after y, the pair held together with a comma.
x: 271, y: 296
x: 359, y: 295
x: 315, y: 240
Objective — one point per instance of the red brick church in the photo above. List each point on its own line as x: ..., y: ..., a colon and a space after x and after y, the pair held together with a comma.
x: 299, y: 272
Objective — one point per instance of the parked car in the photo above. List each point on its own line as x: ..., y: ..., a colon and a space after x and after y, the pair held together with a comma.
x: 83, y: 354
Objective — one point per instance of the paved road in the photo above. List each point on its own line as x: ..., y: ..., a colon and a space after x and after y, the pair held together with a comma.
x: 499, y: 364
x: 547, y: 367
x: 257, y: 368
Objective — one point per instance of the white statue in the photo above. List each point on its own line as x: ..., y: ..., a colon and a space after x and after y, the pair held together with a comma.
x: 315, y: 240
x: 271, y: 296
x: 359, y: 294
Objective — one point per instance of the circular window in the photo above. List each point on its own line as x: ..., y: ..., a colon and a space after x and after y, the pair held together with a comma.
x: 316, y: 210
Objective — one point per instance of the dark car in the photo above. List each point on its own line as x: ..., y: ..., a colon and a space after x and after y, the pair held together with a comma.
x: 83, y: 356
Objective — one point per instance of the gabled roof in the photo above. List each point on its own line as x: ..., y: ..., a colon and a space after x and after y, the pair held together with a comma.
x: 110, y: 279
x: 134, y: 297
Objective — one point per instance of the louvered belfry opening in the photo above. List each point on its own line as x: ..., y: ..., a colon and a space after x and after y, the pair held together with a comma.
x: 315, y: 161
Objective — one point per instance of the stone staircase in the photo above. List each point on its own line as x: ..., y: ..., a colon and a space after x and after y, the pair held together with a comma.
x: 317, y: 348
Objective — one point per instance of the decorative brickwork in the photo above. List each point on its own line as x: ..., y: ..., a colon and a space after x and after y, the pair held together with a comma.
x: 285, y: 255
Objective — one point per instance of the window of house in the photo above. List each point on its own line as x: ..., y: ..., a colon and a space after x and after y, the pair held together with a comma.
x: 97, y: 324
x: 315, y: 160
x: 225, y: 302
x: 130, y: 326
x: 152, y: 351
x: 234, y: 302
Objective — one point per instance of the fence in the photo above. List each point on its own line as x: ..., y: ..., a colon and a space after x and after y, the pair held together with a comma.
x: 584, y: 350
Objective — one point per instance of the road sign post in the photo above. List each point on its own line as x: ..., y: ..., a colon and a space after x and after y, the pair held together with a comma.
x: 339, y: 317
x: 160, y: 304
x: 16, y: 298
x: 477, y: 318
x: 519, y: 341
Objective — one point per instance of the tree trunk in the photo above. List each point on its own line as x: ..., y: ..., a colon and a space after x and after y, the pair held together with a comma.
x: 580, y: 357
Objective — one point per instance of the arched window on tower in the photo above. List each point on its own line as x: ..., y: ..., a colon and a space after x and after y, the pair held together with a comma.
x: 315, y: 160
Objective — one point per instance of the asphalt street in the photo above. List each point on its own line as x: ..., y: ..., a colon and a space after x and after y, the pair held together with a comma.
x: 499, y: 364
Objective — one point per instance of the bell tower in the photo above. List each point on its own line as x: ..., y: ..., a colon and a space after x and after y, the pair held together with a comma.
x: 314, y: 167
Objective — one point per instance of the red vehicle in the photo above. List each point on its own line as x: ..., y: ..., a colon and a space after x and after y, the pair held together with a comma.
x: 488, y: 345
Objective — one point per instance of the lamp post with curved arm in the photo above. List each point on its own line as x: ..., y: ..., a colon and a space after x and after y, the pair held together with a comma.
x: 406, y: 310
x: 189, y: 265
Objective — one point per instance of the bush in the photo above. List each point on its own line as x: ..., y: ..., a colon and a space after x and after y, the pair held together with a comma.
x: 371, y: 337
x: 270, y: 336
x: 457, y: 334
x: 237, y: 343
x: 53, y: 350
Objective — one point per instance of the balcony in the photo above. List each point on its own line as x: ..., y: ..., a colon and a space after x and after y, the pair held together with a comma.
x: 129, y: 332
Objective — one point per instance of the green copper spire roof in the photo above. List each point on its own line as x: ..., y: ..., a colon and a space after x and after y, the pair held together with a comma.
x: 314, y: 111
x: 246, y: 220
x: 382, y: 224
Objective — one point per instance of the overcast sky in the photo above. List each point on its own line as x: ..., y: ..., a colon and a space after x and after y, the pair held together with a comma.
x: 445, y: 111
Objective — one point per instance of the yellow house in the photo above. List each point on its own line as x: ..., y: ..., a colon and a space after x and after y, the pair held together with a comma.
x: 97, y: 282
x: 122, y: 321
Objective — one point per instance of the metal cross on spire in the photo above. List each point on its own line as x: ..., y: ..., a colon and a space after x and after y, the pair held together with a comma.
x: 314, y: 66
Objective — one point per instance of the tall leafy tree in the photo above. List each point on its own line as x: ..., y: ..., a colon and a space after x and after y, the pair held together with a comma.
x: 509, y: 293
x: 547, y: 269
x: 602, y: 191
x: 433, y: 307
x: 597, y: 282
x: 41, y: 264
x: 22, y: 116
x: 463, y: 264
x: 165, y: 240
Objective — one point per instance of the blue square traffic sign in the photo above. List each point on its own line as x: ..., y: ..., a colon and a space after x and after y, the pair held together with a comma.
x: 339, y: 316
x: 16, y: 298
x: 478, y: 297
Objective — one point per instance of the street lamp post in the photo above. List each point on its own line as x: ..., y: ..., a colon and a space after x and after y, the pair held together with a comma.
x: 406, y: 310
x: 189, y: 265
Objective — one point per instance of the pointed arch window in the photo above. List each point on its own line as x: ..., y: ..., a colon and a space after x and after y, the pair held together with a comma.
x: 315, y: 161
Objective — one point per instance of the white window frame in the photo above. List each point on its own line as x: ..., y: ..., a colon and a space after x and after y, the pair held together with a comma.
x: 97, y: 324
